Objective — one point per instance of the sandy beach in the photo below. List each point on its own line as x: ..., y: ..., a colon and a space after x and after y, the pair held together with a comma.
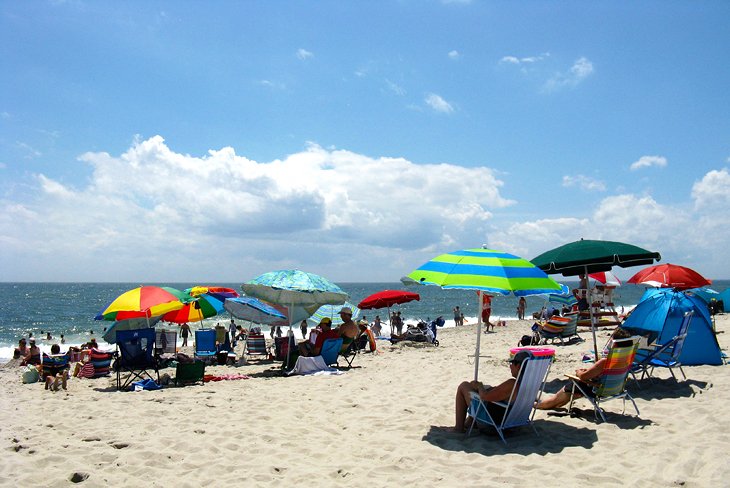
x: 382, y: 423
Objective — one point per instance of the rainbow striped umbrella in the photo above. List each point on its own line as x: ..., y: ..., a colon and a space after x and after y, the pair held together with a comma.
x: 201, y: 307
x: 143, y: 301
x: 487, y: 271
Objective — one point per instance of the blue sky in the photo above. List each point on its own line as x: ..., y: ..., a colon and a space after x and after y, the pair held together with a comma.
x: 183, y: 141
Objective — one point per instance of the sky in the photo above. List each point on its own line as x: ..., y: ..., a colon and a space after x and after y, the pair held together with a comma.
x: 215, y: 141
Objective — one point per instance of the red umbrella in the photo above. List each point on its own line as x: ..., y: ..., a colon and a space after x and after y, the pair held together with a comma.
x: 388, y: 298
x: 670, y: 276
x: 606, y: 277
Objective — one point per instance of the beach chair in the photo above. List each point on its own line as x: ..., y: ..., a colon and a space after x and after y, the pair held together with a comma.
x: 101, y: 362
x: 256, y: 345
x: 283, y: 346
x: 350, y: 353
x: 53, y: 364
x: 135, y: 356
x: 611, y: 384
x: 559, y: 328
x: 165, y: 342
x: 330, y: 351
x: 519, y: 409
x: 189, y: 373
x: 205, y: 348
x: 664, y: 356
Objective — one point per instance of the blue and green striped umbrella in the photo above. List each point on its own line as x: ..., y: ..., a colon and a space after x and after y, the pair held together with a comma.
x: 493, y: 272
x: 487, y: 271
x: 333, y: 313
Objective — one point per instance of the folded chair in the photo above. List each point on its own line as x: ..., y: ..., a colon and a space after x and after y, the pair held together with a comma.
x: 519, y: 409
x: 612, y: 382
x: 330, y: 350
x: 205, y: 348
x: 349, y: 353
x: 664, y: 356
x: 101, y: 362
x: 135, y: 355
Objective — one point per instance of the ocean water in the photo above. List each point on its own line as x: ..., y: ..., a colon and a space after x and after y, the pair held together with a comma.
x: 69, y: 308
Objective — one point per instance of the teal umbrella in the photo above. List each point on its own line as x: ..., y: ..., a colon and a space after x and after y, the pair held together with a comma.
x: 487, y: 271
x: 332, y: 312
x: 591, y: 256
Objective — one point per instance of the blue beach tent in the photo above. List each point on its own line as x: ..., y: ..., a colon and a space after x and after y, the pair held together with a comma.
x: 660, y: 312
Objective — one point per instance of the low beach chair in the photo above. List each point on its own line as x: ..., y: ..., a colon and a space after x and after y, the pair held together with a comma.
x: 256, y: 345
x: 135, y: 356
x: 205, y: 348
x: 611, y: 384
x: 519, y: 409
x: 664, y: 356
x: 52, y: 365
x: 350, y: 353
x: 559, y: 328
x: 165, y: 341
x: 189, y: 373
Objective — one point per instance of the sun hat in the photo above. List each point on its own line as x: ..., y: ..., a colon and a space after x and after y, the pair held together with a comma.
x: 32, y: 340
x: 326, y: 320
x: 346, y: 310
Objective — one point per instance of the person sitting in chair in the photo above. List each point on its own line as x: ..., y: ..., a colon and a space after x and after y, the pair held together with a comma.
x: 499, y: 393
x: 52, y: 381
x: 306, y: 348
x: 585, y: 375
x: 349, y: 329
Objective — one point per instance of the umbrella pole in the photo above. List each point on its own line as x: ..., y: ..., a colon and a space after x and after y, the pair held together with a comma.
x: 590, y: 313
x: 479, y: 334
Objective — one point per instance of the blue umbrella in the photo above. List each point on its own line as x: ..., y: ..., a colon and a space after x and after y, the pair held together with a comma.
x: 252, y: 309
x: 332, y: 312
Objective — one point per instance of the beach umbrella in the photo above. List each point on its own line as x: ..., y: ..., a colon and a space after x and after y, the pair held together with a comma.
x: 218, y: 292
x: 252, y: 309
x: 591, y: 256
x: 606, y: 277
x: 294, y: 287
x: 202, y: 307
x: 388, y: 298
x: 487, y: 271
x: 332, y: 312
x: 143, y: 301
x: 670, y: 276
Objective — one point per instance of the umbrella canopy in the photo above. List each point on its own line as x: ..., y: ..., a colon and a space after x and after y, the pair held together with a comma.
x: 218, y: 292
x: 485, y: 270
x: 388, y: 298
x: 253, y: 310
x: 332, y: 312
x: 143, y: 301
x: 591, y: 256
x: 606, y: 277
x: 294, y: 287
x: 202, y: 307
x: 670, y: 276
x: 494, y: 272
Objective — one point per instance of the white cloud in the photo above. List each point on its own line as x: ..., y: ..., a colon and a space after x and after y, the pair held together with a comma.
x: 713, y: 191
x: 454, y: 54
x: 523, y: 60
x: 154, y: 214
x: 648, y: 161
x: 395, y: 88
x: 272, y: 84
x: 582, y: 68
x: 30, y: 152
x: 583, y: 182
x: 303, y: 54
x: 438, y: 104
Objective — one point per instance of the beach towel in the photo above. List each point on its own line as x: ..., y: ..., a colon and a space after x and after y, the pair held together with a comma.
x: 148, y: 384
x: 312, y: 366
x: 224, y: 377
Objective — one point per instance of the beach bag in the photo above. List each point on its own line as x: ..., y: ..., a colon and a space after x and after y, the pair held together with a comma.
x: 30, y: 375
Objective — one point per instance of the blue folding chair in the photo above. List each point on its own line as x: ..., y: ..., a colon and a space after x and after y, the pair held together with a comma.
x: 135, y: 356
x: 330, y: 350
x: 205, y: 346
x: 665, y: 355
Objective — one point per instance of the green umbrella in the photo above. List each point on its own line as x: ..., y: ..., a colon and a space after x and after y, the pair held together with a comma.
x: 590, y: 256
x: 487, y: 271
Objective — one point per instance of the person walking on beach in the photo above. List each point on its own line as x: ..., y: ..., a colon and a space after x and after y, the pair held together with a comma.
x: 232, y: 332
x: 184, y: 332
x: 377, y: 326
x: 487, y: 311
x: 303, y: 328
x: 457, y: 316
x: 521, y: 308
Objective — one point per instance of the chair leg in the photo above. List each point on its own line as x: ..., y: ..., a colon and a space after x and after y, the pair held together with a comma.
x: 682, y: 371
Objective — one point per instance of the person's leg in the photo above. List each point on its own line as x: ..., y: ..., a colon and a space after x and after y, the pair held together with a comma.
x: 558, y: 400
x: 64, y: 379
x: 462, y: 401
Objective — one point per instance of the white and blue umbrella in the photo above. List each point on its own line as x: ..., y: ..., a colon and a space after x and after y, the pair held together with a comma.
x: 252, y: 309
x: 332, y: 312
